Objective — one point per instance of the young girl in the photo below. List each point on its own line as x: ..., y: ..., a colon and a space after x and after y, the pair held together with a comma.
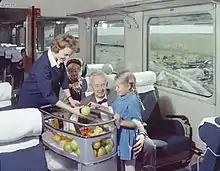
x: 126, y: 107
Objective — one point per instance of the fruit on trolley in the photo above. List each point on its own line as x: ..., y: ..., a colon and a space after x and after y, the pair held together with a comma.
x: 78, y: 152
x: 108, y: 148
x: 74, y: 145
x: 102, y: 146
x: 57, y: 138
x: 95, y: 153
x: 67, y: 147
x: 86, y: 131
x: 96, y: 145
x: 98, y: 130
x: 85, y: 110
x: 101, y: 152
x: 71, y: 146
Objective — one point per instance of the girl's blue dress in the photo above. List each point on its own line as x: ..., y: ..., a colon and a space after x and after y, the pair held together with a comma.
x: 128, y: 106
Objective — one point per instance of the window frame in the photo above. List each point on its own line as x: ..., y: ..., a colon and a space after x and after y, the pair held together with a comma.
x: 181, y: 11
x: 110, y: 18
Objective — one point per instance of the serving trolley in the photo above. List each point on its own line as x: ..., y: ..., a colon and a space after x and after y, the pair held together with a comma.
x: 85, y: 144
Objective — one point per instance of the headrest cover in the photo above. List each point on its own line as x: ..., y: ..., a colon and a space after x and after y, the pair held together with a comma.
x: 145, y: 81
x: 209, y: 129
x: 211, y: 120
x: 5, y: 91
x: 106, y: 68
x: 111, y: 81
x: 20, y: 123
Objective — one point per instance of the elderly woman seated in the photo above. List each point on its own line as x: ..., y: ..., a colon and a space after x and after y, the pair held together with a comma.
x: 76, y: 82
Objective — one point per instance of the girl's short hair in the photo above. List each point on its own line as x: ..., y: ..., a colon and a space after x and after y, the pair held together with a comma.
x: 127, y: 77
x: 62, y: 41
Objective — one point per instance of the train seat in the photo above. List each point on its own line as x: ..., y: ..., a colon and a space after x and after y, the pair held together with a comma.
x: 208, y: 129
x: 90, y: 68
x: 5, y: 96
x: 21, y: 148
x: 87, y: 89
x: 167, y: 129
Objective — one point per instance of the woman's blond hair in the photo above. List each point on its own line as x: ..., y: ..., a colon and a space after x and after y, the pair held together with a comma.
x: 62, y: 41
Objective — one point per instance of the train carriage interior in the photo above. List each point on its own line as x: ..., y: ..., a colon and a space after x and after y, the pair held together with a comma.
x: 12, y: 39
x: 170, y: 46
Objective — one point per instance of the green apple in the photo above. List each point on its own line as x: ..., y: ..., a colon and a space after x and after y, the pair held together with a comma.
x: 96, y: 145
x: 85, y: 110
x: 109, y: 141
x: 101, y: 152
x: 108, y: 148
x: 98, y: 130
x: 74, y: 145
x: 67, y: 147
x: 78, y: 152
x: 95, y: 153
x: 57, y: 138
x: 71, y: 131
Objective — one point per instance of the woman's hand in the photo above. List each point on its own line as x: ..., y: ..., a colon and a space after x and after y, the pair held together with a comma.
x: 75, y: 111
x: 74, y: 103
x: 117, y: 117
x: 139, y: 144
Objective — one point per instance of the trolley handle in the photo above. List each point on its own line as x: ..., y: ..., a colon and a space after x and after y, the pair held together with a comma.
x: 77, y: 123
x: 54, y: 130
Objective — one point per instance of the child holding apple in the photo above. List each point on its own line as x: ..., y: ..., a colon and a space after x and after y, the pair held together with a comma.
x: 126, y: 107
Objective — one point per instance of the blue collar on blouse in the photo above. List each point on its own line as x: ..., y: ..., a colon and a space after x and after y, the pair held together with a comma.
x: 123, y: 97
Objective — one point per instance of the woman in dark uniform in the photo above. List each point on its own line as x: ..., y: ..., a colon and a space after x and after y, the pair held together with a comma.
x: 48, y: 74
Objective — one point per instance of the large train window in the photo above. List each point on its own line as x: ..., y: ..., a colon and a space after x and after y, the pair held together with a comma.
x: 181, y: 52
x: 49, y: 29
x: 109, y: 44
x: 72, y: 29
x: 55, y: 26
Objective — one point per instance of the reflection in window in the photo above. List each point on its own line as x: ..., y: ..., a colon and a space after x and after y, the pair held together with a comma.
x: 181, y: 51
x: 109, y: 45
x: 48, y: 35
x: 72, y: 29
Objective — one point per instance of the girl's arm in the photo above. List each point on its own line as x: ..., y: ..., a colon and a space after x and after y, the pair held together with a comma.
x: 125, y: 123
x: 128, y: 124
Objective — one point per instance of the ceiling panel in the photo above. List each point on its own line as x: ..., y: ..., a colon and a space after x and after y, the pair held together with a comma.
x: 8, y: 15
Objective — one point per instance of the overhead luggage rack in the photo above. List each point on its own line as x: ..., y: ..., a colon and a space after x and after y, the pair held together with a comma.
x: 139, y: 6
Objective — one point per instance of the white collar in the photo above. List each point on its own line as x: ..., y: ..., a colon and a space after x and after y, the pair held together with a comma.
x: 98, y: 99
x: 52, y: 60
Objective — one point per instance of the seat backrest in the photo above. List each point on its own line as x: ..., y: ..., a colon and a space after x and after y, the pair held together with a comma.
x: 21, y: 142
x: 106, y: 68
x: 146, y: 91
x: 87, y: 89
x: 209, y: 131
x: 5, y: 94
x: 11, y: 120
